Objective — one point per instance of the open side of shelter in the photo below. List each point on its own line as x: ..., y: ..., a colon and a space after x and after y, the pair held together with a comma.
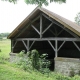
x: 48, y: 33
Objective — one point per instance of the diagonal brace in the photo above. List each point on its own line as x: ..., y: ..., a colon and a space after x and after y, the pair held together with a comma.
x: 25, y: 45
x: 47, y: 28
x: 76, y: 45
x: 61, y: 46
x: 35, y: 29
x: 51, y: 45
x: 14, y: 44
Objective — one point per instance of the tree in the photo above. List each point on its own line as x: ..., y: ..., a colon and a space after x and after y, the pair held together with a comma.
x: 38, y: 2
x: 77, y: 19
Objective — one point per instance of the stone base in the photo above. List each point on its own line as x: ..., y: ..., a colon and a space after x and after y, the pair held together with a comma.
x: 67, y: 66
x: 13, y: 57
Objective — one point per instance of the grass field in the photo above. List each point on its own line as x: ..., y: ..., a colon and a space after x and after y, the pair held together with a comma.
x: 10, y: 71
x: 5, y: 48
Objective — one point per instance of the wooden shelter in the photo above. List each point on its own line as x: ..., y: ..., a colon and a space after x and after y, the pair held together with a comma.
x: 48, y: 33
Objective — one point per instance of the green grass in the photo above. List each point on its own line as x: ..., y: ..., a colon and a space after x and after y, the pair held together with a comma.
x: 5, y: 48
x: 10, y: 71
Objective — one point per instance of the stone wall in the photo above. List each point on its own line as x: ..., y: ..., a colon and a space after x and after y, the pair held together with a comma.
x: 67, y: 66
x: 14, y: 57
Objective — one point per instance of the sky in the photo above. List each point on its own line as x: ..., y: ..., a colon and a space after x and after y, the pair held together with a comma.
x: 11, y: 15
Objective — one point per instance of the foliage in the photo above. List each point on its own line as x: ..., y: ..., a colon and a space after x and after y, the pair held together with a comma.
x: 45, y: 2
x: 24, y: 62
x: 4, y: 51
x: 34, y: 61
x: 5, y: 48
x: 44, y: 64
x: 39, y: 2
x: 39, y: 62
x: 61, y: 77
x: 3, y: 35
x: 13, y: 72
x: 77, y: 19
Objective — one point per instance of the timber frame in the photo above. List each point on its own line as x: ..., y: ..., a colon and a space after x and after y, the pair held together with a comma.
x: 74, y: 38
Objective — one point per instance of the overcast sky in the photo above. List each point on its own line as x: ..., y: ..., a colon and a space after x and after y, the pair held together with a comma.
x: 12, y: 14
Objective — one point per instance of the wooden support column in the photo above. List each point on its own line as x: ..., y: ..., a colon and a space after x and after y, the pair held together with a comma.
x: 56, y: 48
x: 27, y: 45
x: 11, y: 45
x: 40, y: 25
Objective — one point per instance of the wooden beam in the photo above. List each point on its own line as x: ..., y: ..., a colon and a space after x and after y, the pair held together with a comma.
x: 61, y: 45
x: 46, y: 39
x: 76, y: 45
x: 40, y: 25
x: 52, y: 32
x: 56, y: 32
x: 47, y: 28
x: 35, y: 19
x: 14, y: 44
x: 56, y: 48
x: 35, y: 29
x: 25, y: 45
x: 60, y: 32
x: 26, y: 26
x: 31, y: 45
x: 11, y: 45
x: 51, y: 45
x: 60, y: 25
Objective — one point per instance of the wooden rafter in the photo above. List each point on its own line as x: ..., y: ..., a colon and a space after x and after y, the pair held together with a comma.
x: 47, y: 28
x: 60, y: 32
x: 35, y: 29
x: 26, y: 26
x: 60, y: 25
x: 52, y: 32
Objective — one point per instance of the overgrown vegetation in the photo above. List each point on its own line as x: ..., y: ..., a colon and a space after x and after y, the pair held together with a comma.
x: 12, y: 71
x: 33, y: 61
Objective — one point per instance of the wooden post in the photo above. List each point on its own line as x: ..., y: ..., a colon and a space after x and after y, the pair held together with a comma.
x: 11, y: 45
x: 40, y: 25
x: 56, y: 48
x: 27, y: 45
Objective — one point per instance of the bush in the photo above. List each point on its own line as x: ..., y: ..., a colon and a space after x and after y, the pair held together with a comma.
x: 34, y: 61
